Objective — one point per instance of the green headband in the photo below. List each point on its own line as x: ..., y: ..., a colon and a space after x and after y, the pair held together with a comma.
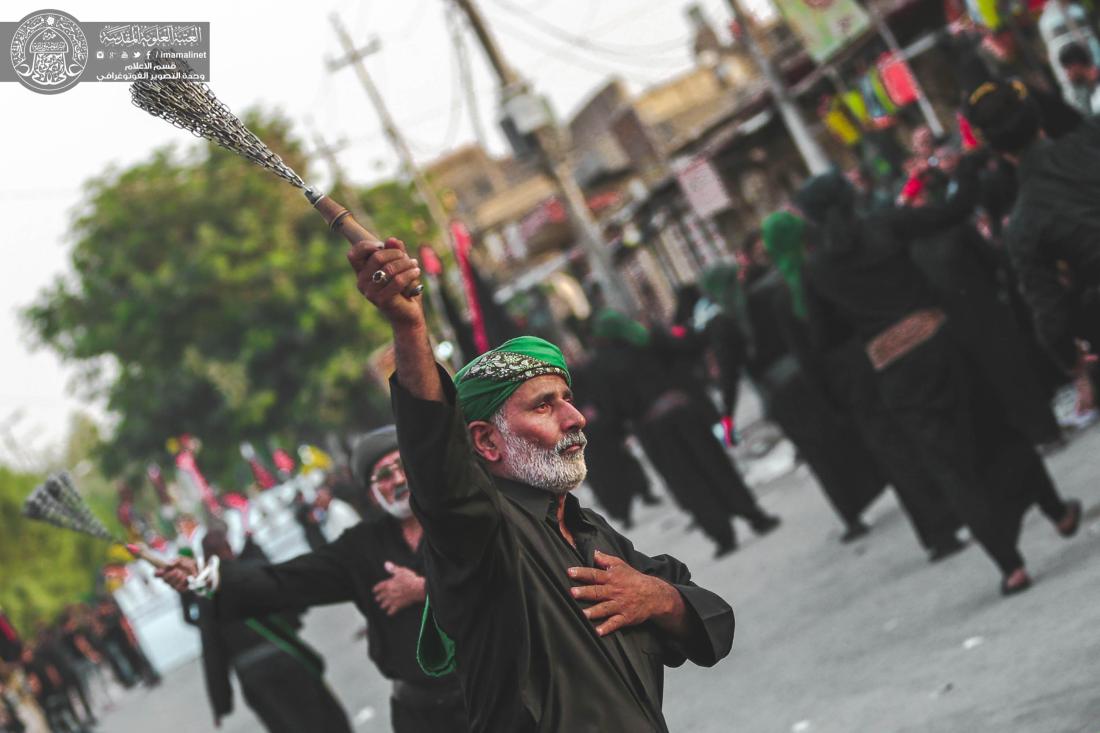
x: 488, y: 381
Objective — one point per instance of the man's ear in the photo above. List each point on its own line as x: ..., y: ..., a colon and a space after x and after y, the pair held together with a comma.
x: 485, y: 439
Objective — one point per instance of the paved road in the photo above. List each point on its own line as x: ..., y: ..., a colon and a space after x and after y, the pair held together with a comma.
x: 831, y: 638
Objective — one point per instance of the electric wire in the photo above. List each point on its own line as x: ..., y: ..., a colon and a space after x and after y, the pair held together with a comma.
x: 650, y: 52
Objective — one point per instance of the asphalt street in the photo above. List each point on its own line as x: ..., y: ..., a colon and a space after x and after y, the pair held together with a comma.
x: 831, y: 638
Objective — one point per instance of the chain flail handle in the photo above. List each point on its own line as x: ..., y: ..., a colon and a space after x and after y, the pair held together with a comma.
x: 340, y: 220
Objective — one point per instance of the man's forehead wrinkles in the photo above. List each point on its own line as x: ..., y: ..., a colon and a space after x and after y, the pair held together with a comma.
x: 541, y: 387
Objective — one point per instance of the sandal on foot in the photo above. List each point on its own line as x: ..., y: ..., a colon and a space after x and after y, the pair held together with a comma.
x: 1017, y: 587
x: 1070, y: 523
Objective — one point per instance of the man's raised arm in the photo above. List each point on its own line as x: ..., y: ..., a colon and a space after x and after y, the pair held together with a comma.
x: 382, y: 276
x: 450, y: 490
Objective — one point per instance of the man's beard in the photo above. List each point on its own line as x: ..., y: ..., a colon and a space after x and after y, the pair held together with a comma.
x: 549, y: 469
x: 398, y: 508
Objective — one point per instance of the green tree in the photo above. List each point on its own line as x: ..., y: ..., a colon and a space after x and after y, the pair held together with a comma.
x: 44, y: 568
x: 206, y: 297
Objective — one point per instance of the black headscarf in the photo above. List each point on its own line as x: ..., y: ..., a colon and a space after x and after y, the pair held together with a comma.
x: 1004, y: 114
x: 828, y: 200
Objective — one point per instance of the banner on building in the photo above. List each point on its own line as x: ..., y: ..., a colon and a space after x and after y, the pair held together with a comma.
x: 702, y: 186
x: 825, y: 26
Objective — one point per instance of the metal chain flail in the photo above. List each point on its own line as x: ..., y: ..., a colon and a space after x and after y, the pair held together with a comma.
x: 57, y: 502
x: 191, y: 106
x: 77, y: 506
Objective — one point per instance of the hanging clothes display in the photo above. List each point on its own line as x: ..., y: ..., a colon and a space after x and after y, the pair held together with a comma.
x: 839, y: 122
x: 897, y: 79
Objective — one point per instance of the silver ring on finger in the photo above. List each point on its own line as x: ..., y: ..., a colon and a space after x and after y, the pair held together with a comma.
x: 380, y: 277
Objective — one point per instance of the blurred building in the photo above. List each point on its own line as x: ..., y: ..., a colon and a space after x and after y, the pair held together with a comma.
x: 676, y: 174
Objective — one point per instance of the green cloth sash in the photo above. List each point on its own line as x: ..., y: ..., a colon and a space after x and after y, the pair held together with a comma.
x: 297, y: 651
x: 435, y: 651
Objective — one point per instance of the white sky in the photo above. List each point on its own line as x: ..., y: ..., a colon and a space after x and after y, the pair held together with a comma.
x: 276, y: 57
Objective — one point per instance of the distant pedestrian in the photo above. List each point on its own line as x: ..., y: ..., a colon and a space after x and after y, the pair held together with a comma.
x: 674, y: 423
x: 859, y: 280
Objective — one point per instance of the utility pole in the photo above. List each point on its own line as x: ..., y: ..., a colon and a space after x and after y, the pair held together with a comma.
x: 354, y: 57
x: 891, y: 42
x: 811, y: 151
x: 328, y: 154
x: 555, y: 164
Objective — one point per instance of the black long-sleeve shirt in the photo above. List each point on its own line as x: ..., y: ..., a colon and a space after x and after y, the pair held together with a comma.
x: 345, y: 570
x: 1057, y: 218
x: 496, y: 564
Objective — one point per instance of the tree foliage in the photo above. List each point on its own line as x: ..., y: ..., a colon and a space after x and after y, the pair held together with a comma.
x: 206, y: 297
x: 44, y: 568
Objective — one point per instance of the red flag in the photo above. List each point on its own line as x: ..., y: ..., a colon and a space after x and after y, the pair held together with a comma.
x: 462, y: 242
x: 284, y: 464
x: 430, y: 261
x: 969, y: 139
x: 263, y: 477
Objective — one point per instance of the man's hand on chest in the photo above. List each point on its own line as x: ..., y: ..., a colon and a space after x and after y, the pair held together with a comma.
x: 625, y: 596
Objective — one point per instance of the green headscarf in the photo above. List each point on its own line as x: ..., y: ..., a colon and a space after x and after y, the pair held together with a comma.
x: 782, y: 233
x: 616, y: 326
x: 488, y: 381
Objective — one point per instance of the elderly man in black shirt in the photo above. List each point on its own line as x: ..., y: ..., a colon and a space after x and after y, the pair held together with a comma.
x: 378, y: 565
x: 552, y: 619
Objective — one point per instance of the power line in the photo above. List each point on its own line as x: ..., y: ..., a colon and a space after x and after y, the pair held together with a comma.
x: 628, y: 51
x: 541, y: 41
x: 566, y: 55
x: 422, y: 118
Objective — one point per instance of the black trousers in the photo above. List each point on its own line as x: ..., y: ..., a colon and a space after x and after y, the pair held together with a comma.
x: 829, y: 444
x: 614, y: 473
x: 288, y: 698
x: 698, y: 472
x: 407, y: 718
x: 929, y: 512
x: 967, y: 444
x: 996, y: 348
x: 852, y: 385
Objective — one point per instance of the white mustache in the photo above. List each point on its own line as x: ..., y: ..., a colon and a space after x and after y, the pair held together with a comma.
x: 571, y: 440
